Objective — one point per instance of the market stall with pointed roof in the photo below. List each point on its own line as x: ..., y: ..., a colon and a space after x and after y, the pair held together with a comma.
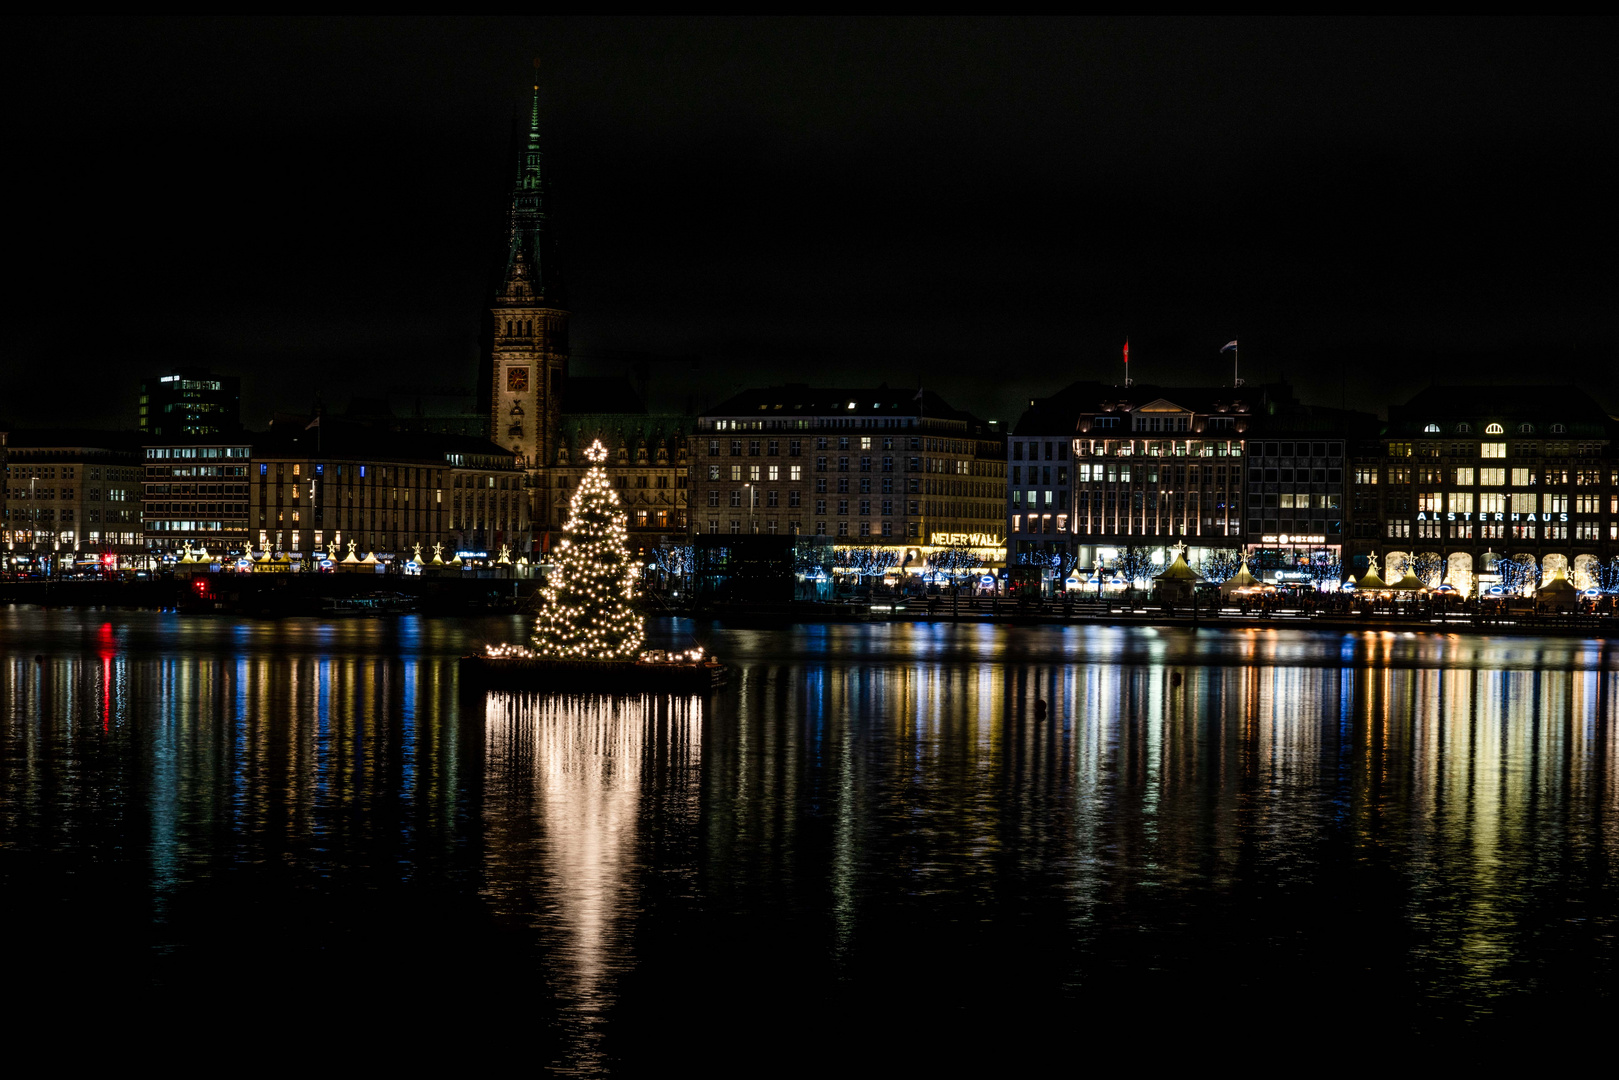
x: 1371, y: 581
x: 1178, y: 582
x: 1410, y: 583
x: 1558, y: 594
x: 1243, y: 582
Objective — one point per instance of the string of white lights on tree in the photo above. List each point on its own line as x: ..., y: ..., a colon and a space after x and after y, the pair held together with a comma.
x: 587, y: 614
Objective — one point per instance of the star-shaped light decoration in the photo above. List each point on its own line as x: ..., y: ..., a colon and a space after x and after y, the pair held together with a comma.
x: 596, y: 451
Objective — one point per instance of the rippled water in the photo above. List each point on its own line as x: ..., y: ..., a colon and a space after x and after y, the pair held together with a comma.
x: 880, y: 840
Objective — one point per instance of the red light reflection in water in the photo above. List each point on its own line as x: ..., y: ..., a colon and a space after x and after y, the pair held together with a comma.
x: 108, y: 649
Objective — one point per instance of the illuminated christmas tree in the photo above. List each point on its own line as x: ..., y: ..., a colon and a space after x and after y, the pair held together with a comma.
x: 587, y: 613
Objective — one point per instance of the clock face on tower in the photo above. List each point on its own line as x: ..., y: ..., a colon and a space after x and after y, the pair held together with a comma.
x: 517, y: 379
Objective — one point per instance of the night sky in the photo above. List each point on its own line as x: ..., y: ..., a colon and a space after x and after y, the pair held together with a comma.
x: 987, y: 208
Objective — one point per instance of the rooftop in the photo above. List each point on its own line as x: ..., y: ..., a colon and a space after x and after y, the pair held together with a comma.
x: 1542, y: 407
x: 806, y: 400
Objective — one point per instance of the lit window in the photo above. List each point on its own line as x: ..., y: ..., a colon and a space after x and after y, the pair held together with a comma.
x: 1494, y: 429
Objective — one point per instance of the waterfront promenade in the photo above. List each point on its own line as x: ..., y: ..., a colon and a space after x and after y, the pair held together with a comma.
x: 331, y: 595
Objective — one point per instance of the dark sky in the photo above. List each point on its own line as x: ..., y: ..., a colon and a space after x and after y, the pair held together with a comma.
x: 987, y: 207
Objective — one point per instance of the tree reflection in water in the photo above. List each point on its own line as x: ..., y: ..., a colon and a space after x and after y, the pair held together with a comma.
x: 571, y: 781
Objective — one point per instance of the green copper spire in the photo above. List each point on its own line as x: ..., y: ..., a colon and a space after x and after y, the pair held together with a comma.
x: 527, y: 215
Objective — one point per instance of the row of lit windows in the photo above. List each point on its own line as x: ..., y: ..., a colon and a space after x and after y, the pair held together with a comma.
x: 1405, y: 530
x: 200, y: 453
x: 1469, y: 476
x: 807, y: 423
x: 69, y: 472
x: 1040, y: 523
x: 1152, y: 472
x: 1145, y: 448
x: 1494, y: 429
x: 1493, y: 449
x: 772, y: 526
x: 795, y: 447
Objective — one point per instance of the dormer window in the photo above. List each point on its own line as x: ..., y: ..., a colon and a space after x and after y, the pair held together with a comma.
x: 1494, y: 429
x: 1559, y: 429
x: 1526, y: 429
x: 1431, y: 429
x: 1464, y: 429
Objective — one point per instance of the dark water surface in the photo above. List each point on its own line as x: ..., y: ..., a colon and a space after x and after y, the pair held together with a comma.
x: 872, y: 844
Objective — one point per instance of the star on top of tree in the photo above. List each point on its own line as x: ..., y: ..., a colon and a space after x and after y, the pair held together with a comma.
x: 596, y: 451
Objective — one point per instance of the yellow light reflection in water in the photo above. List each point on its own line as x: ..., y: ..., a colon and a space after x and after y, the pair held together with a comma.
x: 569, y: 783
x: 1456, y: 765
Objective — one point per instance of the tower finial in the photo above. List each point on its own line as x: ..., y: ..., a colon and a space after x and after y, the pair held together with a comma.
x: 527, y: 211
x: 534, y: 114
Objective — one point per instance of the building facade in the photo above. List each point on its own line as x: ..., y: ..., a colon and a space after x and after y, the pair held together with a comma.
x: 1153, y: 467
x: 880, y: 467
x: 190, y: 403
x: 1040, y: 472
x: 1464, y: 478
x: 72, y: 496
x: 646, y: 462
x: 1298, y: 487
x: 195, y: 494
x: 386, y: 493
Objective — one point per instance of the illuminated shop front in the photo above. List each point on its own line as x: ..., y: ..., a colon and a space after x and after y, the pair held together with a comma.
x: 1296, y: 559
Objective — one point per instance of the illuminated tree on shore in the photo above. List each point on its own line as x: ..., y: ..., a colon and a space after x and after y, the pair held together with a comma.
x: 587, y: 613
x: 866, y: 560
x: 1134, y: 564
x: 1518, y: 574
x: 675, y: 560
x: 1219, y: 565
x: 1325, y: 569
x: 1429, y: 567
x: 954, y: 560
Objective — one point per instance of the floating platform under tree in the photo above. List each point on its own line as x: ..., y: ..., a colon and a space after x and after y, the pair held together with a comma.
x: 511, y: 670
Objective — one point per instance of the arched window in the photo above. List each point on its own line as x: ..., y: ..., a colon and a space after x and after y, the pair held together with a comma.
x: 1494, y: 429
x: 1464, y: 429
x: 1526, y: 429
x: 1558, y: 429
x: 1431, y: 429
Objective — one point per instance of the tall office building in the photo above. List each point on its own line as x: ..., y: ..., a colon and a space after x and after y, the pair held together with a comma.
x: 190, y: 402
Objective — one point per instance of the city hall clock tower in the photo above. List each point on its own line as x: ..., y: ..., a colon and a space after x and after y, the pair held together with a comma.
x: 530, y: 333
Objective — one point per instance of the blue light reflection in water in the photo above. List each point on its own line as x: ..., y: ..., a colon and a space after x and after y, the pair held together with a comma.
x: 869, y: 814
